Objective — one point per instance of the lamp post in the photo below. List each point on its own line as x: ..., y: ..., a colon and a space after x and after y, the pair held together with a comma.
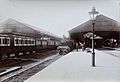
x: 93, y: 14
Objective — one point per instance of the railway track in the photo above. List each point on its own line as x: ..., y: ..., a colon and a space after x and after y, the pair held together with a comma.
x: 29, y: 69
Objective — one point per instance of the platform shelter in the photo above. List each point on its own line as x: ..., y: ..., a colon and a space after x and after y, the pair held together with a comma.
x: 106, y: 28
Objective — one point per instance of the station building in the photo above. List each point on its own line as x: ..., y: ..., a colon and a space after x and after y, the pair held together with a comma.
x: 107, y: 32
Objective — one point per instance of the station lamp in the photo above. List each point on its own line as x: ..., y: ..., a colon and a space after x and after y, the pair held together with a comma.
x: 93, y: 14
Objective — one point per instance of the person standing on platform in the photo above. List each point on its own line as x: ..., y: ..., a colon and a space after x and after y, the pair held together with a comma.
x: 76, y: 46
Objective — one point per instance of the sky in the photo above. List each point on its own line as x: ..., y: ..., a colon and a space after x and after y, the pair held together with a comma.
x: 56, y: 16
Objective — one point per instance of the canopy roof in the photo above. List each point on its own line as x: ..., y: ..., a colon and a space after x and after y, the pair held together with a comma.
x: 104, y: 27
x: 15, y: 27
x: 102, y: 23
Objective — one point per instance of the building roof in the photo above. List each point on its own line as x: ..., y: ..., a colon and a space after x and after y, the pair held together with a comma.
x: 44, y: 33
x: 15, y: 27
x: 102, y: 23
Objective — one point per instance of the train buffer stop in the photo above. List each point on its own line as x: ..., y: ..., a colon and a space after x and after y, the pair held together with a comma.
x: 76, y: 67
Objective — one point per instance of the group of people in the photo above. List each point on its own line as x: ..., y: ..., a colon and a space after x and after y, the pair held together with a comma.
x: 80, y: 45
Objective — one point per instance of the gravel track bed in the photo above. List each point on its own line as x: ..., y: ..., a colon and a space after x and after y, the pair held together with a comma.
x: 20, y: 77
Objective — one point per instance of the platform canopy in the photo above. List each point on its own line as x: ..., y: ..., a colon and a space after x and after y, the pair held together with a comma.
x: 12, y: 26
x: 105, y: 27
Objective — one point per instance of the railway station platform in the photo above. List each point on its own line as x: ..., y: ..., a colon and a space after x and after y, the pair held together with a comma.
x: 76, y: 66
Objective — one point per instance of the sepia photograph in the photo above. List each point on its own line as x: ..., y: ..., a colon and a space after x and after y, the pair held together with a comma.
x: 59, y: 40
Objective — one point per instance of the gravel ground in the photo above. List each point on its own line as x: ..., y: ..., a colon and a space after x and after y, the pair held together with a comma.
x: 33, y: 70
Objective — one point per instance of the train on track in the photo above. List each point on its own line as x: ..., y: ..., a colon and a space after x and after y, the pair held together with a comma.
x: 17, y: 37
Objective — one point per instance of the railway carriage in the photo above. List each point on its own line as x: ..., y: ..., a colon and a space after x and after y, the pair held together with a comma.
x: 16, y: 38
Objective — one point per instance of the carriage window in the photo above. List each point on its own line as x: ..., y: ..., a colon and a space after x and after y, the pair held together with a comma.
x: 21, y: 41
x: 0, y: 40
x: 32, y: 42
x: 44, y: 43
x: 26, y: 41
x: 16, y: 41
x: 29, y: 41
x: 5, y: 41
